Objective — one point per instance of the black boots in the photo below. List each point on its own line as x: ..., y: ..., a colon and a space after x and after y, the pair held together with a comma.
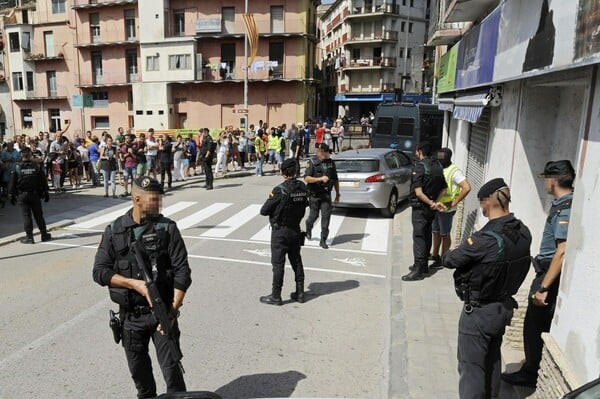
x: 273, y: 299
x: 323, y: 244
x: 27, y: 240
x: 417, y: 272
x: 298, y: 296
x: 46, y: 237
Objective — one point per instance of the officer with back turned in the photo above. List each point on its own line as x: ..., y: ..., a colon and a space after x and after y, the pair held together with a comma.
x: 427, y: 185
x: 28, y: 185
x: 116, y: 266
x: 285, y: 207
x: 490, y: 267
x: 321, y: 177
x: 208, y: 153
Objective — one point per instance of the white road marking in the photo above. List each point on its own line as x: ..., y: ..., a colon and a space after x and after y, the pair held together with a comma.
x: 201, y: 215
x: 52, y: 335
x: 376, y: 235
x: 102, y: 219
x: 216, y: 258
x: 359, y: 262
x: 263, y: 235
x: 233, y: 223
x: 259, y: 252
x: 335, y: 222
x: 177, y: 207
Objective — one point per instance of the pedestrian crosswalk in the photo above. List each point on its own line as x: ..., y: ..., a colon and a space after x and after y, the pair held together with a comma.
x: 243, y: 222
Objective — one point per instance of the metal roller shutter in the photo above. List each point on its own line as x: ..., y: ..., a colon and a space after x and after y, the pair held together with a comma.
x: 475, y: 173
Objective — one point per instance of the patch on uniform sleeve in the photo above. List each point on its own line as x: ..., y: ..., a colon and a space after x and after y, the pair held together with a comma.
x: 563, y: 221
x: 271, y: 195
x: 470, y: 240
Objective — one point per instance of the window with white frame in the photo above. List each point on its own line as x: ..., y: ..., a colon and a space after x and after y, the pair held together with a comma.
x: 101, y: 122
x: 17, y: 78
x: 95, y: 27
x: 152, y: 63
x: 59, y: 6
x: 180, y: 61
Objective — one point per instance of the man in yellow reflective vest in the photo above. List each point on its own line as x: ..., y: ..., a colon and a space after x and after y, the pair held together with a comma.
x: 457, y: 189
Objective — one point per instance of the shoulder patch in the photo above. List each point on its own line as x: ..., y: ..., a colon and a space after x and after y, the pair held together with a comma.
x: 271, y: 195
x: 563, y: 222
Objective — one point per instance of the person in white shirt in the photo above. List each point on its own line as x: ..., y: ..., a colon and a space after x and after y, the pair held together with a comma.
x: 151, y: 153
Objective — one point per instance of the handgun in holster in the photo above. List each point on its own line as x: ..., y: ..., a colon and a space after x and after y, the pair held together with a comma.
x: 115, y: 325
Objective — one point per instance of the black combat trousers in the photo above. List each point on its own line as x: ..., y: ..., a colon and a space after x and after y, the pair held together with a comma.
x: 538, y: 320
x: 165, y: 167
x: 322, y: 203
x: 30, y: 202
x: 479, y: 340
x: 137, y: 332
x: 422, y: 219
x: 207, y: 163
x: 285, y: 240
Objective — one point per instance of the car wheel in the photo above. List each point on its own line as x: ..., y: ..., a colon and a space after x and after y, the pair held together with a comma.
x: 390, y: 210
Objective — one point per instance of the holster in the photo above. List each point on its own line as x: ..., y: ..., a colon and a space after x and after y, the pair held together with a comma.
x: 116, y: 326
x: 303, y: 238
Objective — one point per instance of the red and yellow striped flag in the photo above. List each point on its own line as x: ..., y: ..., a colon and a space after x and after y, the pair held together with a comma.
x: 252, y: 32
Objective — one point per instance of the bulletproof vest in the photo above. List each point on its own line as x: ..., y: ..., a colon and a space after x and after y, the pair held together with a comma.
x: 320, y: 169
x: 433, y: 180
x: 155, y: 238
x: 28, y: 177
x: 291, y: 208
x: 501, y: 279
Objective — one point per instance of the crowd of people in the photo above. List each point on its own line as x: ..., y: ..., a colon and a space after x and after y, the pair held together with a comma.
x: 115, y: 160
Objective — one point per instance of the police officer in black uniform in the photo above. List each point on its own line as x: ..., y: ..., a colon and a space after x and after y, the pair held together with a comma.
x: 285, y: 207
x: 28, y: 185
x: 207, y: 154
x: 115, y: 266
x: 427, y: 185
x: 321, y: 177
x: 490, y: 267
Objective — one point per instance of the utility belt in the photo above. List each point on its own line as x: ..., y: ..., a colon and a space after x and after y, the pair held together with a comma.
x: 137, y: 310
x: 324, y: 194
x: 507, y: 301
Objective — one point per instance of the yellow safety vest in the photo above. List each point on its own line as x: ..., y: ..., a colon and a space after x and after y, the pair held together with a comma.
x: 273, y: 143
x: 452, y: 190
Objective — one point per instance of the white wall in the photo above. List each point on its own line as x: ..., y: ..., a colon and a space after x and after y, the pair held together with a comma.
x: 576, y: 325
x: 164, y: 50
x: 152, y: 21
x: 153, y: 97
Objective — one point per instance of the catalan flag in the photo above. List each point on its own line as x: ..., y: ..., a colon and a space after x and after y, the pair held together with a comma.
x: 252, y: 32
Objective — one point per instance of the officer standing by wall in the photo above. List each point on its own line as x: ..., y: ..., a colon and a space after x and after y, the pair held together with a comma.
x: 490, y: 267
x: 426, y: 187
x: 28, y: 185
x: 321, y: 176
x: 286, y: 207
x: 207, y: 158
x: 558, y: 181
x: 115, y: 266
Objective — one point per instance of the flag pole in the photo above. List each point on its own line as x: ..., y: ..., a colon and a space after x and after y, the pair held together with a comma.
x: 246, y: 72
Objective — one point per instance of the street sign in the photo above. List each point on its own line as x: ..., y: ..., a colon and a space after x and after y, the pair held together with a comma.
x: 240, y: 110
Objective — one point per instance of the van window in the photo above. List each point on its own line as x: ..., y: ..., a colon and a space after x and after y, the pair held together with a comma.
x: 384, y: 126
x: 431, y: 126
x: 406, y: 127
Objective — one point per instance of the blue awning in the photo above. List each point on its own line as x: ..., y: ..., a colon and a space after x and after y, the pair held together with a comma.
x: 445, y: 104
x: 469, y: 108
x: 366, y: 97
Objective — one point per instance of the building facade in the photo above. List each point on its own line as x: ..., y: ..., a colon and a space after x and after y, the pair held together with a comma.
x: 521, y: 88
x: 371, y: 52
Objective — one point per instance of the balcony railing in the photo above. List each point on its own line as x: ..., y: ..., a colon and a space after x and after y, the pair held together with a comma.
x: 356, y: 88
x: 376, y: 62
x: 79, y: 4
x: 373, y: 8
x: 109, y: 79
x: 38, y: 54
x: 388, y: 35
x: 215, y: 28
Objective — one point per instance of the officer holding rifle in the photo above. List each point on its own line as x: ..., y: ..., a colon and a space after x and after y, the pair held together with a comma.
x: 143, y: 260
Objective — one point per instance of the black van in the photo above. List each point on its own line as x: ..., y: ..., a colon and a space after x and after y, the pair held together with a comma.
x: 404, y: 125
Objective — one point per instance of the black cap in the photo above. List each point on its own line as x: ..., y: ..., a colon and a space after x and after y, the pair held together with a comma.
x: 148, y: 184
x: 324, y: 147
x: 558, y: 168
x: 25, y: 151
x: 491, y: 187
x: 288, y: 167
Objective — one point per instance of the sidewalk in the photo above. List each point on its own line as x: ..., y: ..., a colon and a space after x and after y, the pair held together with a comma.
x: 424, y: 327
x: 64, y: 209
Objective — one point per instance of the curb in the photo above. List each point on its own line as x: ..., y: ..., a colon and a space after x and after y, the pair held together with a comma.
x: 398, y: 388
x: 67, y: 222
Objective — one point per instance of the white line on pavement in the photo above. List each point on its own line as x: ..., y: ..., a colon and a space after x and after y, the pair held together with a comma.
x: 177, y: 207
x: 263, y: 235
x: 335, y: 222
x: 376, y: 235
x: 50, y: 336
x: 230, y: 225
x: 102, y: 219
x: 197, y: 217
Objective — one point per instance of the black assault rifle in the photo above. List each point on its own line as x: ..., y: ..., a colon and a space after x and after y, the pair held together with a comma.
x: 160, y: 309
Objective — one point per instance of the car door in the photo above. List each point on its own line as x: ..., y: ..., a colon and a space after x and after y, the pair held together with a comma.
x: 393, y: 171
x: 404, y: 174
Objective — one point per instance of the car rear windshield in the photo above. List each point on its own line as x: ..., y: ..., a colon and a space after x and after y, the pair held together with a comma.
x: 357, y: 165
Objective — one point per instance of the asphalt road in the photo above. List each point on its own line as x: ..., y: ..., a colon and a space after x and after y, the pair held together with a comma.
x: 55, y: 335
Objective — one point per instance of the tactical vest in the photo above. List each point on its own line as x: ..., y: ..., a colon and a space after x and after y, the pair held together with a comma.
x: 497, y: 281
x: 433, y: 180
x: 28, y: 177
x: 155, y: 238
x: 452, y: 190
x: 319, y: 170
x: 292, y: 207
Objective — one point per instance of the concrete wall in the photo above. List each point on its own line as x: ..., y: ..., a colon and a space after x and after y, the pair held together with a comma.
x: 117, y: 110
x: 576, y: 325
x: 164, y: 50
x: 112, y: 23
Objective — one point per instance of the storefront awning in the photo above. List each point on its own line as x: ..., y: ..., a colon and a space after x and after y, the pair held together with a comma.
x: 446, y: 103
x: 469, y: 108
x: 367, y: 97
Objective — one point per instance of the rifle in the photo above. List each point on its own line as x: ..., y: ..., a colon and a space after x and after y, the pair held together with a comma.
x: 159, y: 307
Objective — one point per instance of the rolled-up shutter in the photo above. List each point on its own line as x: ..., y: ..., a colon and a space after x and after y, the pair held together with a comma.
x: 475, y: 173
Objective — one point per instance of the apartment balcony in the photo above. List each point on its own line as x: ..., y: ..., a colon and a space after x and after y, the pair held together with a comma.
x: 374, y: 37
x: 37, y: 95
x: 98, y: 42
x: 87, y: 4
x: 39, y: 54
x: 108, y: 80
x: 215, y: 28
x: 360, y: 88
x: 369, y: 63
x: 466, y: 10
x: 372, y: 10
